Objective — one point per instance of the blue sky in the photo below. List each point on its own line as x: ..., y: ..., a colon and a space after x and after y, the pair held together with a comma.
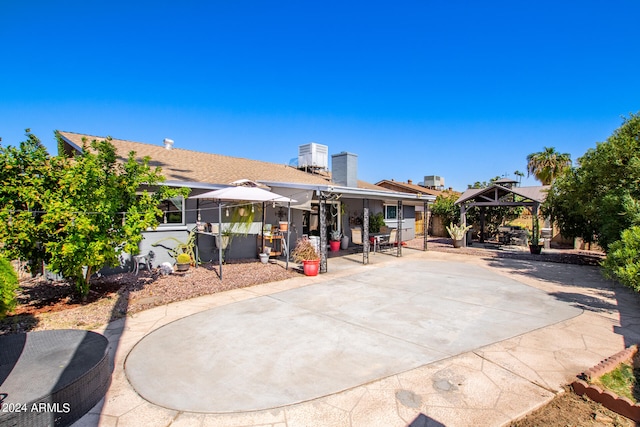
x: 460, y: 89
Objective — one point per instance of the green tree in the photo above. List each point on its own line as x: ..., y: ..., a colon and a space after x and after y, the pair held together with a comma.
x: 444, y: 207
x: 91, y: 207
x: 25, y: 175
x: 8, y: 287
x: 599, y: 199
x: 547, y: 165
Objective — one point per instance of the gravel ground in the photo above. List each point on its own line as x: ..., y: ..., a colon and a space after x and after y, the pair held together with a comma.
x: 45, y: 305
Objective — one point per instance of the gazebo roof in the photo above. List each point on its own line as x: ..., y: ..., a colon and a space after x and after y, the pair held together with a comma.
x: 495, y: 193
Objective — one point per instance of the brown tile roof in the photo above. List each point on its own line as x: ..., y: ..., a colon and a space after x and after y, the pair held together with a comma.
x: 193, y: 166
x: 406, y: 187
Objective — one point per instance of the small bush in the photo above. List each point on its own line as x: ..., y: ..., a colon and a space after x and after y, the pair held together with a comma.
x: 8, y: 287
x: 623, y: 259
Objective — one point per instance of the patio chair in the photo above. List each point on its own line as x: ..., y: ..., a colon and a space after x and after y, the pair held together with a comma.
x: 391, y: 242
x: 356, y: 237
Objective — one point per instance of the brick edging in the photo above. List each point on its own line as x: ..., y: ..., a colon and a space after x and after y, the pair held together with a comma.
x: 610, y: 400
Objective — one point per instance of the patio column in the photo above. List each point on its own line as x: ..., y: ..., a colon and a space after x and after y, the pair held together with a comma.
x: 220, y: 238
x: 399, y: 235
x: 425, y: 220
x: 463, y: 221
x: 322, y: 209
x: 365, y: 232
x: 288, y: 233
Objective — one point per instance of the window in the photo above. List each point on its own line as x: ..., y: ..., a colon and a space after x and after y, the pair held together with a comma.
x: 391, y: 212
x: 172, y: 211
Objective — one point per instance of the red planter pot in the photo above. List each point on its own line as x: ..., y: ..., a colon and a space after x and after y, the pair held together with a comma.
x: 334, y: 245
x: 311, y: 268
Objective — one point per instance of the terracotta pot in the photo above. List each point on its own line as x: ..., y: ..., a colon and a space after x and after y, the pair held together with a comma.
x: 284, y: 226
x: 334, y: 245
x: 311, y: 267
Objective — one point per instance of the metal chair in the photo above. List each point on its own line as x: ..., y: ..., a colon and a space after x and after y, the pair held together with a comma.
x: 391, y: 242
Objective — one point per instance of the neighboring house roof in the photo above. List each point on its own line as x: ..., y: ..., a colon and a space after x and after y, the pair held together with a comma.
x: 408, y: 187
x: 495, y: 192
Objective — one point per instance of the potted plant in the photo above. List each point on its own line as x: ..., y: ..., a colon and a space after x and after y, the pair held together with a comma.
x: 183, y: 262
x: 457, y: 233
x: 306, y: 254
x: 534, y: 238
x: 334, y: 243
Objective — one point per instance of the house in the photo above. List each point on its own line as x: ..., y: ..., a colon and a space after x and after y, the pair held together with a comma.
x: 339, y: 194
x: 435, y: 224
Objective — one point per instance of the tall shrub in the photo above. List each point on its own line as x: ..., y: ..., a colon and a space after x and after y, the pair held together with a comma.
x: 623, y: 259
x: 8, y: 287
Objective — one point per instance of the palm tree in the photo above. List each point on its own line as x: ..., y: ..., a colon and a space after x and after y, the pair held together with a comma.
x: 520, y: 175
x: 547, y: 165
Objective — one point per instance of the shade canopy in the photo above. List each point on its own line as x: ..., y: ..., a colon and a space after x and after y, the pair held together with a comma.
x: 249, y: 194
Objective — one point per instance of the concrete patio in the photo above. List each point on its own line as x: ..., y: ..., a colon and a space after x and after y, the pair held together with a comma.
x: 426, y: 339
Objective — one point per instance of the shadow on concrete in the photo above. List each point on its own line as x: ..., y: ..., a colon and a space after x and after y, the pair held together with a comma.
x: 424, y: 421
x: 592, y: 291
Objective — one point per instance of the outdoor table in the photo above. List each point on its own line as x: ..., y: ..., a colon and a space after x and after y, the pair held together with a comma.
x: 376, y: 238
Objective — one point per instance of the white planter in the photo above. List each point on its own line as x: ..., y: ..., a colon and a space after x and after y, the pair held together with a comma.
x: 264, y: 258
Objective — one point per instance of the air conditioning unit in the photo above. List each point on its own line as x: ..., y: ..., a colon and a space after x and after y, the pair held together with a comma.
x: 433, y: 181
x: 313, y: 155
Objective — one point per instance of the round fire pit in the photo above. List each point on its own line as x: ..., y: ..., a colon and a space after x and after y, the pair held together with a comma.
x: 51, y: 377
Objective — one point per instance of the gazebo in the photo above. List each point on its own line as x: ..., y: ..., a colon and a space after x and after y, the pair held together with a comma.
x: 502, y: 192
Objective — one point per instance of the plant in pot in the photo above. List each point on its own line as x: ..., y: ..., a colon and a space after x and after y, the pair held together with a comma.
x: 534, y: 238
x: 183, y: 262
x: 334, y: 243
x: 306, y: 254
x: 457, y: 233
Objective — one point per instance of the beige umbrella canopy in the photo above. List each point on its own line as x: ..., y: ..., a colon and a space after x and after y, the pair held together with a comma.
x: 245, y: 194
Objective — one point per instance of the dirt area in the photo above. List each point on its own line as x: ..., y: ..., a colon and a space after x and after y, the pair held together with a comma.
x: 570, y: 410
x: 52, y: 305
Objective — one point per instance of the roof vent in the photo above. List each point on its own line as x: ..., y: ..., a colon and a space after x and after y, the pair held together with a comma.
x: 168, y: 143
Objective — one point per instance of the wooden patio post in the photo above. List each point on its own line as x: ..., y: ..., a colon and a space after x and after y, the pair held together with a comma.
x: 463, y: 221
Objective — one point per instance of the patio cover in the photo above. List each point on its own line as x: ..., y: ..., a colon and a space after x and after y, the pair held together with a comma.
x: 245, y: 194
